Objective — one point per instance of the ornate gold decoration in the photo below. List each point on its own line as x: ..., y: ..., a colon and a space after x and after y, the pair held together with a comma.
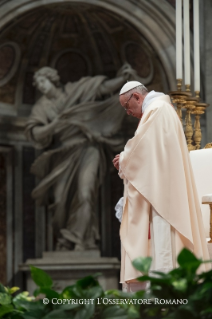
x: 198, y: 111
x: 179, y: 98
x: 179, y: 84
x: 197, y: 93
x: 209, y: 145
x: 190, y: 106
x: 184, y: 100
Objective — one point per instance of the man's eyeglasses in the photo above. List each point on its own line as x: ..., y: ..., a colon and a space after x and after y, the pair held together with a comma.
x: 126, y: 103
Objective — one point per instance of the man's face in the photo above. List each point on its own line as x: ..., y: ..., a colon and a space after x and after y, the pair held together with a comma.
x: 132, y: 104
x: 43, y: 84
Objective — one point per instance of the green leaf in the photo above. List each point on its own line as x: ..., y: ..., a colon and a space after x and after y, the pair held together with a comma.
x: 50, y: 294
x: 16, y: 315
x: 202, y: 291
x: 205, y: 287
x: 13, y: 290
x: 58, y: 314
x: 2, y: 288
x: 155, y: 280
x: 29, y: 316
x: 78, y: 292
x: 36, y: 292
x: 68, y: 293
x: 40, y: 277
x: 161, y: 274
x: 178, y: 272
x: 87, y: 282
x: 186, y: 259
x: 71, y: 306
x: 142, y: 264
x: 114, y: 312
x: 23, y: 302
x: 139, y: 294
x: 144, y: 278
x: 5, y: 299
x: 206, y: 311
x: 94, y: 292
x: 133, y: 312
x: 85, y: 312
x: 90, y: 308
x: 186, y: 312
x: 35, y: 314
x: 207, y: 274
x: 180, y: 285
x: 118, y: 293
x: 5, y: 309
x: 23, y: 296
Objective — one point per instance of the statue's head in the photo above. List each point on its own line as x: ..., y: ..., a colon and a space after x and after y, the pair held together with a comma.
x: 46, y: 79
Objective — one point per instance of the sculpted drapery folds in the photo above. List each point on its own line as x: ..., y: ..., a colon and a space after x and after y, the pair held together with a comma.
x: 74, y: 126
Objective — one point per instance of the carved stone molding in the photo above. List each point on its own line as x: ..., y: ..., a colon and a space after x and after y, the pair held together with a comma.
x: 153, y: 21
x: 9, y: 56
x: 6, y: 215
x: 139, y: 59
x: 71, y: 65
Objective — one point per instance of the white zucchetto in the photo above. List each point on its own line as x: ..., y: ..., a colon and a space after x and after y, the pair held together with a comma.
x: 129, y: 86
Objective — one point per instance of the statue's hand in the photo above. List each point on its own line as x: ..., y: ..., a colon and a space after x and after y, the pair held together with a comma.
x: 116, y: 161
x: 126, y: 71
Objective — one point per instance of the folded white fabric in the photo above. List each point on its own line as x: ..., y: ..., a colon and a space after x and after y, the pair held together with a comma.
x: 119, y: 209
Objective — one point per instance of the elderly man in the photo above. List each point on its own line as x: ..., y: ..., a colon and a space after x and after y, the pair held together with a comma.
x: 159, y: 187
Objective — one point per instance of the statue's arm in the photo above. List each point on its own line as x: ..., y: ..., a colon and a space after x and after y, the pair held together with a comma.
x: 123, y: 75
x: 41, y: 132
x: 112, y: 85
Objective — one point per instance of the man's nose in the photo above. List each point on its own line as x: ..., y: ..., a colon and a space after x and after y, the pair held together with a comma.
x: 128, y: 112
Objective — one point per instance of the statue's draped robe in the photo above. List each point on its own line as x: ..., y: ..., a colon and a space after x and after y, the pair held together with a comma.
x: 74, y: 160
x: 156, y: 168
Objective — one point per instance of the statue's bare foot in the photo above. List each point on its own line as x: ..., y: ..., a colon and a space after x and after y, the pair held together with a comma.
x: 63, y: 245
x: 79, y: 247
x: 60, y: 244
x: 69, y: 236
x: 92, y: 246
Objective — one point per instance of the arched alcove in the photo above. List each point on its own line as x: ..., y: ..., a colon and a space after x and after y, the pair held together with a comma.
x: 83, y: 39
x: 79, y: 38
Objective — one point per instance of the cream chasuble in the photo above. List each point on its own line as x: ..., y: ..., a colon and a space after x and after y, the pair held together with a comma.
x: 160, y: 189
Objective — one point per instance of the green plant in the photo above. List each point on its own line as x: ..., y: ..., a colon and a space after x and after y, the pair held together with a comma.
x: 186, y: 293
x: 87, y: 300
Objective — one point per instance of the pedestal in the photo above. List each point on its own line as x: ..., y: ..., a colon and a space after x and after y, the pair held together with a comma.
x: 66, y: 267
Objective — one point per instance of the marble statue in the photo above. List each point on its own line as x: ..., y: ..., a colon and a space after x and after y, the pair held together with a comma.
x: 74, y: 125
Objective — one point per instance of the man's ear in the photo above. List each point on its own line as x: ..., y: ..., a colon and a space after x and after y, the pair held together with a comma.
x: 136, y: 96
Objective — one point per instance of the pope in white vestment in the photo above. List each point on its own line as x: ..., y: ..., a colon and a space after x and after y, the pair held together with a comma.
x: 159, y: 187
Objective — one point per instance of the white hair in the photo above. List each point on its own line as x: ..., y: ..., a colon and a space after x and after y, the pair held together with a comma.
x: 138, y: 89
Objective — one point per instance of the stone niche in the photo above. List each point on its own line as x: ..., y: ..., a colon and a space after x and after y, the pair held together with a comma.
x: 78, y: 40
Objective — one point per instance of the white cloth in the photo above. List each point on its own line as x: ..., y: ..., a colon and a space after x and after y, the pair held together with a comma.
x: 161, y: 243
x: 150, y: 98
x: 162, y: 246
x: 201, y: 161
x: 119, y: 209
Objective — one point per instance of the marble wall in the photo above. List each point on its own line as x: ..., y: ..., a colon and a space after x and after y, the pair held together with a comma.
x: 206, y: 62
x: 3, y: 220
